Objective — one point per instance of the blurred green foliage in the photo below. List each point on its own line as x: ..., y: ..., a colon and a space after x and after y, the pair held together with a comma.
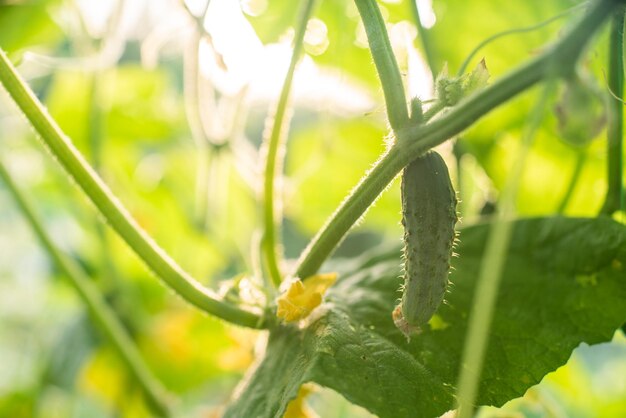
x: 128, y: 118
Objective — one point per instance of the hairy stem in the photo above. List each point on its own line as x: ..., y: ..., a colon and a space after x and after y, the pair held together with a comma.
x: 274, y: 149
x: 385, y: 62
x: 101, y: 313
x: 352, y: 208
x: 110, y: 207
x: 432, y: 111
x: 615, y: 123
x: 412, y: 141
x: 95, y: 139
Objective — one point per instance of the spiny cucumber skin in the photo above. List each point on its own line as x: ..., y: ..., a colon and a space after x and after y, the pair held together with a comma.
x: 429, y: 217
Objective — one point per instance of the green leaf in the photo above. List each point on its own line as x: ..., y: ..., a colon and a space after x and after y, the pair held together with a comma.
x: 288, y: 361
x: 27, y: 23
x: 563, y: 284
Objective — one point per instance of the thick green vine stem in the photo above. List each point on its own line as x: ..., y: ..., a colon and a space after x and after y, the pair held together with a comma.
x: 155, y: 393
x: 110, y: 207
x: 615, y: 123
x: 413, y: 140
x: 385, y: 62
x: 270, y: 244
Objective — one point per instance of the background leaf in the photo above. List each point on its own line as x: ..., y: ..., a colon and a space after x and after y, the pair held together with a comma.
x: 27, y: 23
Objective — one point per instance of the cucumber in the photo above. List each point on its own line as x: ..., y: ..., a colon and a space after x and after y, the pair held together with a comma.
x: 429, y: 217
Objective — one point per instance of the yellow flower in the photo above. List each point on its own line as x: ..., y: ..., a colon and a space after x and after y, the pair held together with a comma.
x: 298, y: 408
x: 303, y: 296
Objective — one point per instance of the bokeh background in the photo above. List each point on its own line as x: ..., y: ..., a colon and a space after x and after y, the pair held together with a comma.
x: 170, y: 108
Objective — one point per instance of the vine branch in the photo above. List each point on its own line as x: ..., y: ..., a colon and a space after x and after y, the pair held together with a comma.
x: 413, y: 140
x: 270, y: 245
x: 385, y: 62
x: 111, y: 208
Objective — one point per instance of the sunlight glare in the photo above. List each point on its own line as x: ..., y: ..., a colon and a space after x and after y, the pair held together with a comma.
x: 236, y: 41
x: 427, y: 14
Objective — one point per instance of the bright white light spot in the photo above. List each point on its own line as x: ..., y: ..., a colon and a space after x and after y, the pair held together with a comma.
x: 406, y: 29
x: 196, y: 6
x: 427, y: 14
x: 254, y: 7
x: 149, y: 172
x: 360, y: 37
x: 418, y: 78
x: 352, y: 11
x: 236, y: 42
x: 270, y: 71
x: 96, y: 15
x: 401, y: 37
x: 316, y: 37
x: 313, y: 87
x: 325, y: 89
x: 27, y: 166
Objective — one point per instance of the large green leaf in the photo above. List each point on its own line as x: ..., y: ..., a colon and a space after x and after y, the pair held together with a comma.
x: 563, y: 284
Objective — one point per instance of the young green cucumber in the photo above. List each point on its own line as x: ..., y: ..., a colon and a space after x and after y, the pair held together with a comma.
x: 428, y: 216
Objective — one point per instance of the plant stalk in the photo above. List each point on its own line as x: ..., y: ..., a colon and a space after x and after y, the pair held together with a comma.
x: 111, y: 208
x: 274, y: 156
x: 385, y: 62
x: 559, y: 60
